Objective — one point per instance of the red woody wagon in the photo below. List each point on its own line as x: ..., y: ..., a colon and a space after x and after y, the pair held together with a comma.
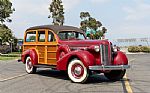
x: 66, y: 48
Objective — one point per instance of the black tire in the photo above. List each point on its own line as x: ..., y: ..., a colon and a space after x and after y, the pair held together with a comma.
x: 115, y: 75
x: 64, y: 72
x: 77, y: 72
x: 30, y: 69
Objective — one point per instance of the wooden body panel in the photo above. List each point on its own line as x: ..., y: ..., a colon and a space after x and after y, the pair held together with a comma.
x: 46, y: 50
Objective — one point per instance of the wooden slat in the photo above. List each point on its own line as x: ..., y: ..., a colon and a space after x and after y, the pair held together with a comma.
x: 51, y: 58
x: 51, y: 51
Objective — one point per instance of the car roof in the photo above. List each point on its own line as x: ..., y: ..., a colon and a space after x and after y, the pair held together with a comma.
x: 56, y: 28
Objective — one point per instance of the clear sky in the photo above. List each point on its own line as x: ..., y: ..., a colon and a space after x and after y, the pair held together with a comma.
x: 122, y: 18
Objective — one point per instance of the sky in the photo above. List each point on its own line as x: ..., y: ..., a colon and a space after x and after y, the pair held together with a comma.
x: 122, y: 18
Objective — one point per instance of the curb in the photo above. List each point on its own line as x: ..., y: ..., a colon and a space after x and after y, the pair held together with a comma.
x: 136, y: 53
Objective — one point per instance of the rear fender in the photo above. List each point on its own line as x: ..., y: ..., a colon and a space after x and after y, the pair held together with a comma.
x: 86, y: 57
x: 24, y: 55
x: 32, y: 53
x: 120, y: 59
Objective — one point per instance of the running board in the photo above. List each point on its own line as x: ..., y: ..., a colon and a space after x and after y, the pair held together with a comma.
x: 45, y: 66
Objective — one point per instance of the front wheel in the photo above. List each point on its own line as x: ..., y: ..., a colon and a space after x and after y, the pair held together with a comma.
x: 77, y: 72
x: 29, y: 66
x: 115, y: 75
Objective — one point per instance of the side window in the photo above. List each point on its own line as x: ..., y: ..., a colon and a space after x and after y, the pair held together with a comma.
x: 31, y: 36
x: 41, y: 36
x: 51, y: 37
x: 62, y: 36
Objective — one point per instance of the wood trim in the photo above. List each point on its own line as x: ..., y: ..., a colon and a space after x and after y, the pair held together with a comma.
x: 51, y: 51
x: 46, y: 54
x: 51, y: 58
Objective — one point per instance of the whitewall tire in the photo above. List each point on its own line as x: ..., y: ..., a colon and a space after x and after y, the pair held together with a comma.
x: 77, y: 72
x: 29, y: 66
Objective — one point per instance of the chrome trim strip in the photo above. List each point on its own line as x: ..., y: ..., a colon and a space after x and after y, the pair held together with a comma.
x: 101, y: 56
x: 116, y: 67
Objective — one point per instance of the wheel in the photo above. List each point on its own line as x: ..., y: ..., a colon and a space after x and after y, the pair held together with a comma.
x: 115, y: 75
x: 29, y: 66
x: 77, y: 72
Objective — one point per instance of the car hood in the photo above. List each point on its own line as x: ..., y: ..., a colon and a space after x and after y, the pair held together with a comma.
x: 83, y: 43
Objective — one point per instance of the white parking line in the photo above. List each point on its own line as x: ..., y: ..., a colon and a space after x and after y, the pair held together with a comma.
x: 131, y: 60
x: 10, y: 78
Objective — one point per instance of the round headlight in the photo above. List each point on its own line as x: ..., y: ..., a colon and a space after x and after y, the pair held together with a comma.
x: 96, y: 48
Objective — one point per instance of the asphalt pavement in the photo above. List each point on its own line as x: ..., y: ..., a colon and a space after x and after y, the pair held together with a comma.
x: 14, y: 79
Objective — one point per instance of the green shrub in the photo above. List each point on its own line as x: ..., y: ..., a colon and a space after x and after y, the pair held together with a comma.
x: 134, y: 49
x: 145, y: 49
x: 139, y: 49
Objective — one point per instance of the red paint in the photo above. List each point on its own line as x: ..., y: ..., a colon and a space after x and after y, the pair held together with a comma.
x: 34, y: 56
x: 62, y: 49
x: 32, y: 53
x: 24, y: 55
x: 86, y: 57
x: 83, y: 43
x: 120, y: 59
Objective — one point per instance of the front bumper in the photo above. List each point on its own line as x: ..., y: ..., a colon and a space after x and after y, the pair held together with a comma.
x: 116, y: 67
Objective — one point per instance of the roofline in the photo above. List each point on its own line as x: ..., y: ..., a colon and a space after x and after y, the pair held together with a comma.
x: 56, y: 28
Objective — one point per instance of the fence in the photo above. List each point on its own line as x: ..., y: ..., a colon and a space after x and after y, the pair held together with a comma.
x: 132, y: 42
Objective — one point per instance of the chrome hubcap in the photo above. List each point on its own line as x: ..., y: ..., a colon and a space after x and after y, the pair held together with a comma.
x: 77, y: 70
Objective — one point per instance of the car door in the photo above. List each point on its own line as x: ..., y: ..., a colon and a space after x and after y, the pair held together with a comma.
x: 41, y: 46
x: 52, y: 46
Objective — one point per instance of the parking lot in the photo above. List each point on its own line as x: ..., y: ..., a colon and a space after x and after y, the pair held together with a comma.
x: 14, y: 79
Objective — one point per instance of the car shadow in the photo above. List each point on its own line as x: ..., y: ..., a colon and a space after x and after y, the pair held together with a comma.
x: 96, y: 78
x: 53, y: 73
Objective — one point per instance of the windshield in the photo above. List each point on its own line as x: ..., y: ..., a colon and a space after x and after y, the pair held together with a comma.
x: 71, y: 35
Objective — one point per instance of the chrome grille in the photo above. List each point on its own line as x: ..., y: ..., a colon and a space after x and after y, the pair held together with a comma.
x: 104, y: 54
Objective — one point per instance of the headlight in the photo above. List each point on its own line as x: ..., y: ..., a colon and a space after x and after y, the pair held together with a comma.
x: 96, y: 48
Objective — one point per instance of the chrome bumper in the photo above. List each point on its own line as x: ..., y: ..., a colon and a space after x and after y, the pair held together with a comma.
x: 116, y: 67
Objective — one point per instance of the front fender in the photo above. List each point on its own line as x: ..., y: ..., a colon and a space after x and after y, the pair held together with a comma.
x: 86, y: 57
x: 32, y: 53
x: 64, y: 48
x: 120, y: 59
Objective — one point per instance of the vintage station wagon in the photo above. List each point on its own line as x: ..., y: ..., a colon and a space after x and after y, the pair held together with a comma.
x: 66, y: 48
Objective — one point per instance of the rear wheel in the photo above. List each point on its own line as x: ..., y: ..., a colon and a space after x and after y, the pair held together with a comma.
x: 115, y: 75
x: 29, y: 66
x: 77, y: 72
